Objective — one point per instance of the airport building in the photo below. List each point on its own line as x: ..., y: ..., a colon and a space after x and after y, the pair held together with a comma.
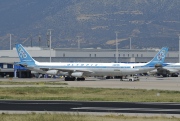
x: 9, y: 57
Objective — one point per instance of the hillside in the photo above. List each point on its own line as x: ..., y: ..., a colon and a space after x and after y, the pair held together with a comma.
x: 150, y: 23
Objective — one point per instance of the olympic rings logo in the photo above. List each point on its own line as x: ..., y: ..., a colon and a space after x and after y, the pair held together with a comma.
x: 22, y: 54
x: 161, y: 55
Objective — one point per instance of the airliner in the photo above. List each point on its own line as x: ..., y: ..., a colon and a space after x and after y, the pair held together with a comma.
x: 80, y: 70
x: 171, y: 69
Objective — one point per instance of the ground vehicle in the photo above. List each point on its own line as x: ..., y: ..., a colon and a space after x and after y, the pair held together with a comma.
x: 132, y: 78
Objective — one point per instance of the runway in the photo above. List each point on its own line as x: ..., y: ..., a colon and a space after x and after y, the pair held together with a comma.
x: 91, y: 106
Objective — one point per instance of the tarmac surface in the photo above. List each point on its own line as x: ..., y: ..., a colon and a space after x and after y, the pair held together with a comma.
x: 168, y: 83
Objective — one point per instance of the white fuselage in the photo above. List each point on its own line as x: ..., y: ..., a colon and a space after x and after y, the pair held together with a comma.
x: 93, y: 69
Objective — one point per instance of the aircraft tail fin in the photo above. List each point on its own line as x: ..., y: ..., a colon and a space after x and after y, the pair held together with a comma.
x: 159, y: 57
x: 24, y: 56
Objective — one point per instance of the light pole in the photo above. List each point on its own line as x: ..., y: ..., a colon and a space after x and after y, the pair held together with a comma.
x: 31, y: 40
x: 179, y: 48
x: 130, y: 43
x: 10, y: 42
x: 78, y: 42
x: 50, y: 43
x: 116, y: 47
x: 39, y: 40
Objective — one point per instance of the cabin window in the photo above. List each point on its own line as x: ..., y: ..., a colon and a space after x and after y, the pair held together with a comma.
x: 89, y: 55
x: 63, y: 54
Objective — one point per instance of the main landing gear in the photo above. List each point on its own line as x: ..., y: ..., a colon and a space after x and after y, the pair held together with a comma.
x: 68, y: 78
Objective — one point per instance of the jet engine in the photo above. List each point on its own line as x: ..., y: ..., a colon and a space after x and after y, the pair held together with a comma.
x: 158, y: 65
x: 77, y: 74
x: 52, y: 72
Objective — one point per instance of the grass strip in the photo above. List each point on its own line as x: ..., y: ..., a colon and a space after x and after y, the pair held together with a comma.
x: 78, y: 117
x: 32, y: 83
x: 88, y: 94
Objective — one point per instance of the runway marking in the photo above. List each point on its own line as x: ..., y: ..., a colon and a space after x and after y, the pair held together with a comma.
x: 120, y: 109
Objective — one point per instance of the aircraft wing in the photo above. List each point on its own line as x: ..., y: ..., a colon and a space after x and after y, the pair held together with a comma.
x: 69, y: 70
x: 72, y: 71
x: 167, y: 70
x: 171, y: 70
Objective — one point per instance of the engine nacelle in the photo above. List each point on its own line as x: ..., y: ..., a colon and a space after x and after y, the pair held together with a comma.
x: 158, y: 65
x: 52, y: 72
x: 77, y: 74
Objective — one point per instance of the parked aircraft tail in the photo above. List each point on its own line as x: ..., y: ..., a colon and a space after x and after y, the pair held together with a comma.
x: 158, y: 60
x: 24, y: 56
